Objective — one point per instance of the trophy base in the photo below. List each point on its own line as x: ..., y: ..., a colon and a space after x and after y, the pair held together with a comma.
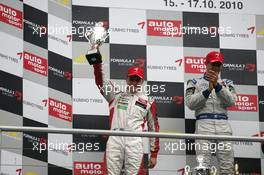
x: 94, y: 58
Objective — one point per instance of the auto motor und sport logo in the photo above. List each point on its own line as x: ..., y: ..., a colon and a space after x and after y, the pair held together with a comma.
x: 89, y: 168
x: 165, y: 28
x: 245, y: 102
x: 35, y: 63
x: 60, y: 110
x: 194, y: 65
x: 11, y: 16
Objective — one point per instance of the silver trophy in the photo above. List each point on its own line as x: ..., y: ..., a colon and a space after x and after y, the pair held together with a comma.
x: 200, y: 169
x: 96, y: 37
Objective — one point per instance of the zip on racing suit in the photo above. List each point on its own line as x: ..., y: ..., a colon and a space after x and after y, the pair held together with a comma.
x: 128, y: 112
x: 211, y: 117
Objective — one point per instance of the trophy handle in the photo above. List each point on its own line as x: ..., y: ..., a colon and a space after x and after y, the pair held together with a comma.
x: 106, y: 36
x: 187, y: 170
x: 88, y: 34
x: 100, y: 42
x: 213, y: 170
x: 103, y: 39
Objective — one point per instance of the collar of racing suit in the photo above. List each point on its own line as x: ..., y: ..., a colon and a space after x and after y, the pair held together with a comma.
x: 132, y: 94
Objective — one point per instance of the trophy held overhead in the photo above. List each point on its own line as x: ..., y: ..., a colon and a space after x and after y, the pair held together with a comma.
x: 96, y: 37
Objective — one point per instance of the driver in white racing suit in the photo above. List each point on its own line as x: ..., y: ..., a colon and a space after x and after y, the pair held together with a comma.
x: 209, y: 96
x: 129, y: 111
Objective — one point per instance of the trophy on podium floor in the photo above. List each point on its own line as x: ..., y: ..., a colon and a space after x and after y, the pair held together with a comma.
x: 200, y: 169
x: 96, y: 37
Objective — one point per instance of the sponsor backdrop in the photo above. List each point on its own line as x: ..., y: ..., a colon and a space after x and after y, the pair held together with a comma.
x: 45, y: 80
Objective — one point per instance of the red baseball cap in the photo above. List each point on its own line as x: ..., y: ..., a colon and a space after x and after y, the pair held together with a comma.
x: 135, y: 70
x: 214, y: 57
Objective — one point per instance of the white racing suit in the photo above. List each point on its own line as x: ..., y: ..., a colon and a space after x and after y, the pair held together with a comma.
x: 211, y: 118
x: 129, y: 112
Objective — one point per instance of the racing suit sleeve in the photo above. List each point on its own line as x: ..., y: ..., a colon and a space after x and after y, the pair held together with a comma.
x: 153, y: 126
x: 194, y: 99
x: 105, y: 86
x: 227, y: 93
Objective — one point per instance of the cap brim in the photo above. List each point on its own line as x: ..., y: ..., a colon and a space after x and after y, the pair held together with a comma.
x: 135, y: 74
x: 216, y: 60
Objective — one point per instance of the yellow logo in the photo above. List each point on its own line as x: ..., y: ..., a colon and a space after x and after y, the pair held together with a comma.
x: 64, y: 2
x: 31, y: 173
x: 82, y: 59
x: 11, y: 134
x: 261, y: 32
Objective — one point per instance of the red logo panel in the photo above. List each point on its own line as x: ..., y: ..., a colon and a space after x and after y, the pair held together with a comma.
x: 245, y: 102
x: 195, y: 65
x: 11, y: 16
x: 60, y: 110
x: 167, y: 28
x: 35, y: 64
x: 89, y: 168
